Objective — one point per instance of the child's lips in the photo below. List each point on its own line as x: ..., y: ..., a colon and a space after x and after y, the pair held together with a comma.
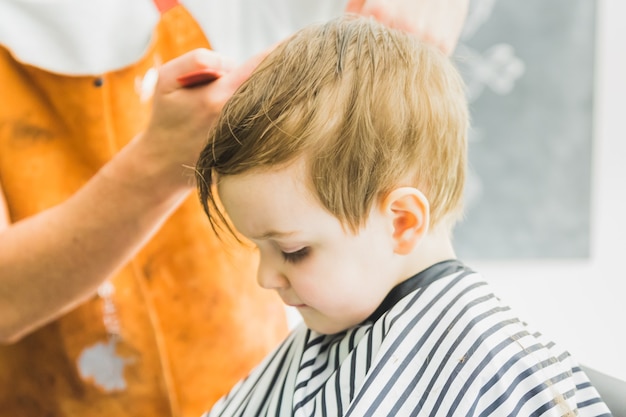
x: 296, y: 305
x: 289, y: 300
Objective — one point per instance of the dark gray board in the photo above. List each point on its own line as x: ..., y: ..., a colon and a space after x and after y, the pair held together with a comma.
x: 529, y: 70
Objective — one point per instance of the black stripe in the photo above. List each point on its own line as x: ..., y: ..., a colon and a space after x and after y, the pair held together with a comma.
x: 552, y: 403
x: 312, y: 342
x: 518, y: 379
x: 470, y: 352
x: 368, y: 357
x: 563, y: 356
x: 242, y: 405
x: 436, y: 346
x: 589, y: 402
x: 330, y: 341
x: 319, y: 370
x: 420, y: 280
x: 277, y: 371
x: 352, y: 367
x: 537, y: 389
x: 500, y: 373
x: 481, y: 366
x: 312, y: 411
x: 338, y: 392
x: 285, y: 391
x: 396, y: 343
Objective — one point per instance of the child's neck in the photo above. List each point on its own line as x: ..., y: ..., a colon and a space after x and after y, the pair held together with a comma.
x: 434, y: 247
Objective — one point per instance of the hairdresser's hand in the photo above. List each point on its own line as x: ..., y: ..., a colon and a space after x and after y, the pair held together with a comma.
x: 55, y: 260
x: 182, y: 116
x: 436, y: 21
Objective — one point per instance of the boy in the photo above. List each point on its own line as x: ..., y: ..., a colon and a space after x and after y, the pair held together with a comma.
x: 343, y: 159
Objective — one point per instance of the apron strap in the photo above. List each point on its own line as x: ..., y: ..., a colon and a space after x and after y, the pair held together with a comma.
x: 165, y: 5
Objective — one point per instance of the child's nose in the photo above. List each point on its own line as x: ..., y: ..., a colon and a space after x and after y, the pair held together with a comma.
x: 269, y: 277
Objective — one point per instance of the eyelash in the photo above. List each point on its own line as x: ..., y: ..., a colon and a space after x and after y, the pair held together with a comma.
x: 297, y: 256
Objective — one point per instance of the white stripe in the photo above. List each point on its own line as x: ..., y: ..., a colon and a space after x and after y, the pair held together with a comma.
x: 444, y: 345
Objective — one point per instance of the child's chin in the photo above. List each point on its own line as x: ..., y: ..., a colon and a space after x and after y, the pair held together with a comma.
x: 324, y: 327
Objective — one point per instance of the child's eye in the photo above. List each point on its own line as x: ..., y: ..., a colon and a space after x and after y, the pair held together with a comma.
x: 297, y: 256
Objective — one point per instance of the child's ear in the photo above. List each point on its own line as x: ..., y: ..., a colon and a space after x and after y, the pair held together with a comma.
x: 409, y: 212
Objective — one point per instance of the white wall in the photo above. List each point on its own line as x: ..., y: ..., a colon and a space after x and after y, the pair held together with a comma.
x: 582, y: 304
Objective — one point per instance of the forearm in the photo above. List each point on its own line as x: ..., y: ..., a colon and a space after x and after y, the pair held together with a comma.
x: 53, y: 261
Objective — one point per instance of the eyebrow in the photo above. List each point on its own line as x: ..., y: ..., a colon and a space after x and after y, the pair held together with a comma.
x: 271, y: 234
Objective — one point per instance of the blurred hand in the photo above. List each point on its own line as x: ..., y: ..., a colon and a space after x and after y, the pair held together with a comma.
x: 436, y: 21
x: 181, y: 116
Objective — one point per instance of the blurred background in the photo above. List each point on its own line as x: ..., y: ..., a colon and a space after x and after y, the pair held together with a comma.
x: 547, y: 191
x: 546, y: 195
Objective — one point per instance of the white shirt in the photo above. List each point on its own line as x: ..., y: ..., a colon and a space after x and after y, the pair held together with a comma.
x: 95, y: 36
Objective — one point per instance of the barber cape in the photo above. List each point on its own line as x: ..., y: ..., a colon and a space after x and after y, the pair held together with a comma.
x: 441, y: 344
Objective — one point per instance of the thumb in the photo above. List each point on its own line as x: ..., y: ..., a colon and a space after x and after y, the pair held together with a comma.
x: 354, y: 6
x: 196, y: 60
x: 240, y: 74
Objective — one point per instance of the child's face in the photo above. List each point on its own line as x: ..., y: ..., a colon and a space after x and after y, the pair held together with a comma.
x: 334, y: 278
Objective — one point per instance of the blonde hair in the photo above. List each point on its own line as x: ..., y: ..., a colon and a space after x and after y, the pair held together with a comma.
x: 368, y: 107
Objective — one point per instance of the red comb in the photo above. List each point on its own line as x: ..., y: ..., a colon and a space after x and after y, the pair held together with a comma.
x: 198, y: 77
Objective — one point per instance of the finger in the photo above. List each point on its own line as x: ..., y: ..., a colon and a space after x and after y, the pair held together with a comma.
x: 387, y: 13
x: 191, y: 62
x: 240, y: 74
x: 355, y: 6
x: 199, y: 77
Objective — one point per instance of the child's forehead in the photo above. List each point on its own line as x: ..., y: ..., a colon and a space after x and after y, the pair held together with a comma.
x: 277, y: 179
x: 263, y: 201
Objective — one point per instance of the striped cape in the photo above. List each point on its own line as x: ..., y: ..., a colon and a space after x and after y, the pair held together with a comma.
x: 441, y: 344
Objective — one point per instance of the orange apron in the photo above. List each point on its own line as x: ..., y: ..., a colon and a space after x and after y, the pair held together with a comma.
x: 184, y: 320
